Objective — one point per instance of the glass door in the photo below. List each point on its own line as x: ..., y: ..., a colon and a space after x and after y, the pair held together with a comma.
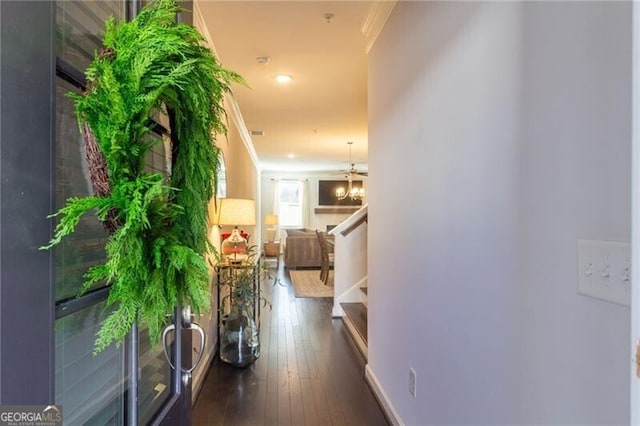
x: 138, y: 382
x: 91, y: 389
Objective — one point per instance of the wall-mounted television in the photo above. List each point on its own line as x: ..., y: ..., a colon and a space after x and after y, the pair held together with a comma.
x: 327, y: 193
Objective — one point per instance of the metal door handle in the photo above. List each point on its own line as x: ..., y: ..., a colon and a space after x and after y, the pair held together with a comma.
x: 166, y: 331
x: 203, y: 340
x: 187, y: 317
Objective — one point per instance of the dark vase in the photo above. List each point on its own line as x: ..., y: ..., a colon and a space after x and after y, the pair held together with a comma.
x: 240, y: 342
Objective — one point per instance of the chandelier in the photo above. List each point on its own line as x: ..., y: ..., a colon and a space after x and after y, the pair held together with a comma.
x: 352, y: 191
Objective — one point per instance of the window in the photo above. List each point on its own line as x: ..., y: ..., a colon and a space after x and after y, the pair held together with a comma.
x: 221, y: 189
x: 84, y: 248
x: 290, y: 199
x: 80, y: 27
x: 91, y: 388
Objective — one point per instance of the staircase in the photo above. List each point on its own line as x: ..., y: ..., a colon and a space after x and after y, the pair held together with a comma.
x: 350, y: 277
x: 355, y: 319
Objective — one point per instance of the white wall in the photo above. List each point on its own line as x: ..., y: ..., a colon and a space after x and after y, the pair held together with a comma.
x: 243, y: 181
x: 514, y: 121
x: 574, y: 183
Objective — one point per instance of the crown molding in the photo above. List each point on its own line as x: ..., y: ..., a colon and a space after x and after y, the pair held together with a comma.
x: 374, y: 22
x: 232, y: 107
x: 200, y: 24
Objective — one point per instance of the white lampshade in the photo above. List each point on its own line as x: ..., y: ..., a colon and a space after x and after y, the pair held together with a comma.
x: 234, y: 211
x: 271, y: 219
x: 271, y: 222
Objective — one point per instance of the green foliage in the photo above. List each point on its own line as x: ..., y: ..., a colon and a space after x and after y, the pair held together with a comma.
x: 240, y: 279
x: 71, y: 214
x: 155, y: 258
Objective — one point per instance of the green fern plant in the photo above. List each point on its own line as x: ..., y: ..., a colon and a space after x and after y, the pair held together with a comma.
x: 158, y: 241
x: 239, y: 280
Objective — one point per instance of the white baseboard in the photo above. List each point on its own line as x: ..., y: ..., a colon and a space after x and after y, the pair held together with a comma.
x: 384, y: 401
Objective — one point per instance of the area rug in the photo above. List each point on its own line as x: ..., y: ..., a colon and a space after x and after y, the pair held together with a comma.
x: 306, y: 283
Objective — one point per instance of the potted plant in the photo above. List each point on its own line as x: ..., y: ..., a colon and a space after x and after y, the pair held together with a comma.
x: 239, y: 308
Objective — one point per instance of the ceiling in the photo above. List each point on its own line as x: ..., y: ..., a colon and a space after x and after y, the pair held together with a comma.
x: 307, y: 122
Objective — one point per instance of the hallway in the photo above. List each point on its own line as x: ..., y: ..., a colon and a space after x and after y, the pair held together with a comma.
x: 308, y: 372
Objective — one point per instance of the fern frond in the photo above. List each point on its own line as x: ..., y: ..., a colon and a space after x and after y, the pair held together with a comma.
x: 71, y: 214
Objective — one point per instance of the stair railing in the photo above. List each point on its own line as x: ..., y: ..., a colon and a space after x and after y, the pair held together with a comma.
x: 350, y: 259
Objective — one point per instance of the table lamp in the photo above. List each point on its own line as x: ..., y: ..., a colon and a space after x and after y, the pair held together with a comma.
x: 235, y: 212
x: 271, y: 220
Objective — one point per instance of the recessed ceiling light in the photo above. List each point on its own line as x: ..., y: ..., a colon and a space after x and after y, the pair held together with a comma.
x: 291, y: 156
x: 283, y: 78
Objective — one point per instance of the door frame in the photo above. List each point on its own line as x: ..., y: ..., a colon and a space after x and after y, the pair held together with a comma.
x: 635, y: 217
x: 27, y: 134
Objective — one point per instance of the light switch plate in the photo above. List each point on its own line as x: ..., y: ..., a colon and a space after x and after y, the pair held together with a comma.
x: 604, y: 270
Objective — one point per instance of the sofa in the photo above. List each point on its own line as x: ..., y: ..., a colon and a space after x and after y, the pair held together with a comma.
x: 301, y: 249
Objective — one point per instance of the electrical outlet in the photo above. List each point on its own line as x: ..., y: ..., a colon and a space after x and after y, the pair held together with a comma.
x: 412, y: 382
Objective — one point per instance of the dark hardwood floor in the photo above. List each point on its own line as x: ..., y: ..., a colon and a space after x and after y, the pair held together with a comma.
x: 308, y: 372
